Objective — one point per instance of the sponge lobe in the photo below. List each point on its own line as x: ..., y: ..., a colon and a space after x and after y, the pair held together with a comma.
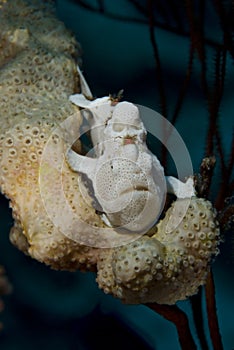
x: 167, y: 267
x: 37, y: 75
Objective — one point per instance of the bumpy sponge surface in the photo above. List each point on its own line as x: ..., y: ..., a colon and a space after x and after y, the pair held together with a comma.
x: 167, y: 267
x: 37, y: 74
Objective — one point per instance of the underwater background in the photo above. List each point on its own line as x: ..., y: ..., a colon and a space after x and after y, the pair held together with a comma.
x: 61, y: 310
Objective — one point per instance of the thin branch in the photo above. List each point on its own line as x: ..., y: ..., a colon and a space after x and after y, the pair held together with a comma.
x: 159, y: 77
x: 196, y: 302
x: 158, y: 24
x: 201, y: 47
x: 212, y: 313
x: 178, y: 317
x: 229, y: 187
x: 221, y: 154
x: 213, y: 104
x: 157, y: 60
x: 108, y: 14
x: 220, y: 73
x: 231, y: 157
x: 223, y: 72
x: 198, y: 42
x: 138, y: 6
x: 204, y: 178
x: 226, y: 216
x: 226, y: 24
x: 196, y: 25
x: 184, y: 86
x: 175, y: 7
x: 101, y: 6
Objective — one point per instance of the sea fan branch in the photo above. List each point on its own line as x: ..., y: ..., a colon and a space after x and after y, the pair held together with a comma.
x: 174, y: 314
x: 212, y: 313
x: 196, y: 302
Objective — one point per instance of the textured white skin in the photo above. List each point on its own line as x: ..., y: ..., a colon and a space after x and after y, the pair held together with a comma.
x: 128, y: 180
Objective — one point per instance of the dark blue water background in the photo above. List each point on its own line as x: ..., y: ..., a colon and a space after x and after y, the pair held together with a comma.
x: 54, y: 310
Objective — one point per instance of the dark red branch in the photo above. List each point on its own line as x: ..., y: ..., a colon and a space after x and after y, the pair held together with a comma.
x: 212, y: 313
x: 158, y: 24
x: 185, y: 85
x: 204, y: 178
x: 196, y: 302
x: 159, y: 72
x: 178, y: 317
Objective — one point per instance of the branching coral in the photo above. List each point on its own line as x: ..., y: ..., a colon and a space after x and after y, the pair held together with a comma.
x: 37, y: 76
